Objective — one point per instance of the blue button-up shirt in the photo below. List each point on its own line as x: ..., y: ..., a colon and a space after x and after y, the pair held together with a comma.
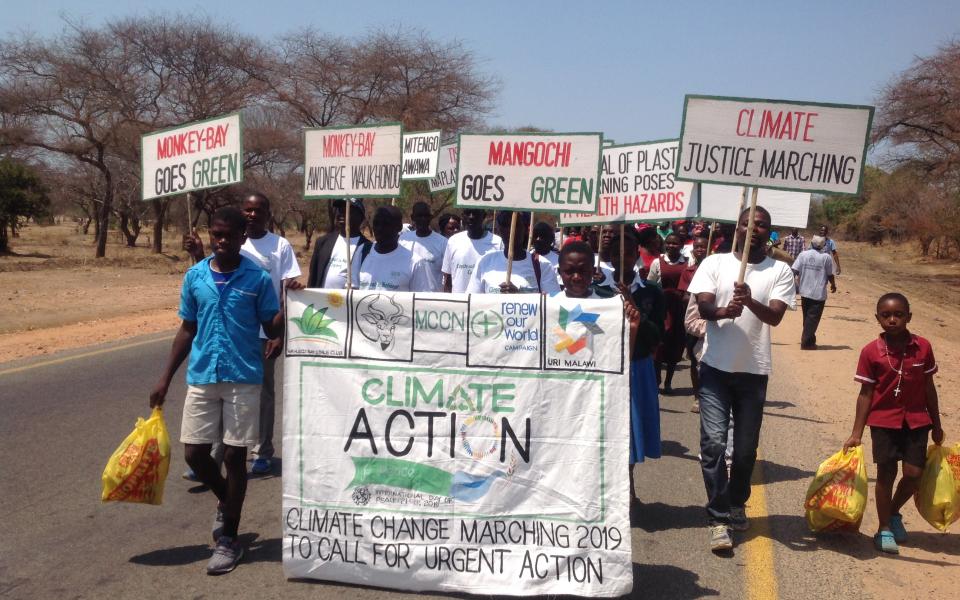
x: 227, y: 346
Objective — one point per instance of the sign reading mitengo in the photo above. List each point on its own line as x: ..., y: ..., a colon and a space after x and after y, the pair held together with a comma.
x: 421, y: 151
x: 637, y: 184
x: 192, y: 157
x: 535, y: 171
x: 722, y: 202
x: 362, y: 161
x: 800, y: 146
x: 457, y: 443
x: 446, y: 178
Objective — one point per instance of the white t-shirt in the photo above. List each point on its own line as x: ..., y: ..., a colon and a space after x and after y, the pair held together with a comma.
x: 462, y: 255
x: 554, y: 259
x: 814, y: 269
x: 336, y: 277
x: 741, y: 345
x: 398, y: 271
x: 275, y: 255
x: 491, y: 271
x: 430, y: 248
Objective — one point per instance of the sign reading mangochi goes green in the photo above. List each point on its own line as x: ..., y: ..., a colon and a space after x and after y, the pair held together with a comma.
x: 457, y: 442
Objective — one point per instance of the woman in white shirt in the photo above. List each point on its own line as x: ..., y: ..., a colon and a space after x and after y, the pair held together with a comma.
x: 531, y: 273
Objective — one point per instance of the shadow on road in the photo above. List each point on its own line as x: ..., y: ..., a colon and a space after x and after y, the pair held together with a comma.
x: 657, y: 516
x: 257, y: 550
x: 677, y: 450
x: 779, y: 404
x: 776, y: 473
x: 665, y: 581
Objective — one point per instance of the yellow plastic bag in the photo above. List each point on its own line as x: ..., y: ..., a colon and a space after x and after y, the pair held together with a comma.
x: 938, y: 498
x: 138, y: 469
x: 837, y: 496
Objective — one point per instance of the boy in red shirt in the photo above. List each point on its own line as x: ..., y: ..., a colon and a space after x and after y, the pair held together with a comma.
x: 898, y: 400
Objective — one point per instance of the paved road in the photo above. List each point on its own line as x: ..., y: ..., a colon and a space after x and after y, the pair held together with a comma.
x: 64, y: 415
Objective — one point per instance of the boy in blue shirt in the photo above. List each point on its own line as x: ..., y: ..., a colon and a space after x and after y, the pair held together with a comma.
x: 224, y: 301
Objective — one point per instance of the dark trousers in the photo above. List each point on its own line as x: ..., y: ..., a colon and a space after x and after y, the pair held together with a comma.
x: 812, y: 311
x: 720, y: 394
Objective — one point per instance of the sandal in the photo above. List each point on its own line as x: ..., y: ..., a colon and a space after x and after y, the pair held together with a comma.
x: 884, y: 542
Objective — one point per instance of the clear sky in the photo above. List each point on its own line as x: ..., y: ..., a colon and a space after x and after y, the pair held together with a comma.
x: 617, y: 67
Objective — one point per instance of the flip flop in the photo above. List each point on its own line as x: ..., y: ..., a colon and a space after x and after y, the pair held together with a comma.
x: 885, y: 542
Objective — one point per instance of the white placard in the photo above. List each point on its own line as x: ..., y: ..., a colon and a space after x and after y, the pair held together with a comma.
x: 542, y: 172
x: 361, y: 161
x: 421, y: 150
x: 446, y: 178
x: 779, y: 144
x: 421, y: 454
x: 192, y: 157
x: 787, y: 209
x: 638, y: 184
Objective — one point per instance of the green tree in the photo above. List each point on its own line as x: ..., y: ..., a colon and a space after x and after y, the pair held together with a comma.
x: 22, y: 195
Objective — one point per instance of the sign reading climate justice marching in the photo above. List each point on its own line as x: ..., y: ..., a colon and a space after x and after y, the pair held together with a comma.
x: 543, y: 172
x: 191, y: 157
x: 799, y: 146
x: 421, y: 150
x: 721, y: 203
x: 446, y: 178
x: 457, y: 443
x: 638, y: 184
x: 360, y: 161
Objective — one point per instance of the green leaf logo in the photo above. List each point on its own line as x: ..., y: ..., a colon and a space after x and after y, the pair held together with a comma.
x: 315, y: 323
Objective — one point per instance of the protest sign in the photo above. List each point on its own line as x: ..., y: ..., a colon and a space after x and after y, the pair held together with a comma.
x: 421, y: 151
x: 358, y: 161
x: 778, y: 144
x: 191, y: 157
x: 446, y: 178
x: 542, y: 172
x: 721, y: 203
x: 452, y: 442
x: 637, y: 184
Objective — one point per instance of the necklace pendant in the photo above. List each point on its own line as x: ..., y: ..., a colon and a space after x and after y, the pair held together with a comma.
x: 896, y: 391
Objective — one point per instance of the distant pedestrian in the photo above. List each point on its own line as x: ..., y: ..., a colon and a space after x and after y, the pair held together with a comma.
x: 813, y: 270
x: 830, y: 247
x: 794, y: 243
x: 666, y: 272
x: 898, y: 400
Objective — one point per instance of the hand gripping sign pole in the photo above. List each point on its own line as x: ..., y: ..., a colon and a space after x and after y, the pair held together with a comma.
x: 513, y: 230
x: 748, y: 237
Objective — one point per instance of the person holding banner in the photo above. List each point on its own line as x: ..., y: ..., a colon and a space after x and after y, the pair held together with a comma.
x: 530, y: 273
x: 544, y: 240
x: 224, y: 373
x: 464, y: 250
x: 666, y: 271
x: 425, y: 242
x: 328, y: 266
x: 391, y: 265
x: 735, y: 367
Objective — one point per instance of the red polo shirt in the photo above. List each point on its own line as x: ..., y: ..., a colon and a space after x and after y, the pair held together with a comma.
x: 879, y: 366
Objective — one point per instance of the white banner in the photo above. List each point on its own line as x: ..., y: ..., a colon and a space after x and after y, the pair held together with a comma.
x: 421, y: 150
x: 722, y: 202
x: 453, y: 443
x: 446, y: 178
x: 543, y: 172
x: 799, y: 146
x: 361, y: 161
x: 637, y: 184
x: 191, y: 157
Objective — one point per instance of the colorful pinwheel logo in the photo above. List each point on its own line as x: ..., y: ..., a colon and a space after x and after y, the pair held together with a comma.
x: 575, y: 330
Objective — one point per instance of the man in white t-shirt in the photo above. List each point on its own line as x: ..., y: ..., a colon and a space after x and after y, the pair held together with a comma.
x: 425, y: 242
x: 464, y: 250
x: 814, y: 270
x: 531, y: 273
x: 328, y: 265
x: 735, y: 367
x: 544, y: 242
x: 390, y: 265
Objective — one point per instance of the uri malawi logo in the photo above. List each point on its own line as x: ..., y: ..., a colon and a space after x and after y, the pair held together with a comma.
x: 574, y: 334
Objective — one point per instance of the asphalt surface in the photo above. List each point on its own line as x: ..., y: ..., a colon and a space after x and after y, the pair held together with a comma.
x: 64, y: 415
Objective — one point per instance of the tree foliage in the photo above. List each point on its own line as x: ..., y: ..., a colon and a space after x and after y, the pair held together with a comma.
x: 22, y: 196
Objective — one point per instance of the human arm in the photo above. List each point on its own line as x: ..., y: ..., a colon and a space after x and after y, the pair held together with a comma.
x: 836, y: 259
x: 447, y: 283
x: 193, y: 245
x: 709, y: 311
x: 833, y: 284
x: 179, y: 351
x: 654, y: 275
x: 771, y: 314
x: 631, y: 313
x: 860, y: 420
x: 933, y: 409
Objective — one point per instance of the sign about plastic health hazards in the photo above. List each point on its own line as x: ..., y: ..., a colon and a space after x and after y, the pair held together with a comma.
x: 421, y: 151
x: 192, y: 157
x: 457, y: 442
x: 543, y: 172
x: 637, y: 184
x: 446, y: 178
x: 362, y: 161
x: 722, y: 202
x: 779, y: 144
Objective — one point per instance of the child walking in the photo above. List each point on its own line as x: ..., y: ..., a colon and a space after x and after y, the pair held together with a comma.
x: 898, y: 400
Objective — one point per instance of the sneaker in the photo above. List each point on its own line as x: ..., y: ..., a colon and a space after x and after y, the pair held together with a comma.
x: 189, y: 475
x: 720, y: 538
x: 738, y: 519
x: 261, y: 466
x: 885, y: 542
x: 225, y: 556
x: 217, y: 529
x: 897, y: 529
